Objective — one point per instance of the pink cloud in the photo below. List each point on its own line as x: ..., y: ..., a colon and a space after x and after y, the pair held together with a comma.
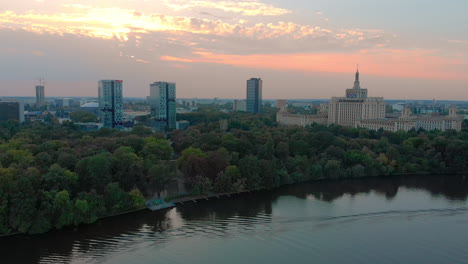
x: 422, y: 64
x: 171, y: 58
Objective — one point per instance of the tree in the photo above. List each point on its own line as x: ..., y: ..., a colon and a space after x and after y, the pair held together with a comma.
x: 157, y: 149
x: 22, y: 158
x: 83, y: 212
x: 43, y: 220
x: 135, y: 142
x: 139, y: 201
x: 83, y: 117
x: 63, y: 209
x: 160, y: 175
x: 58, y: 178
x: 141, y: 131
x: 43, y: 160
x: 116, y: 199
x: 333, y: 169
x: 250, y: 169
x: 127, y: 167
x: 238, y: 182
x: 95, y: 171
x: 67, y: 158
x: 23, y: 200
x: 282, y: 150
x: 201, y: 185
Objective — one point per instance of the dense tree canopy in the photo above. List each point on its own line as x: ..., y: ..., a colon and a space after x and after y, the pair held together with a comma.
x: 54, y: 175
x: 256, y: 153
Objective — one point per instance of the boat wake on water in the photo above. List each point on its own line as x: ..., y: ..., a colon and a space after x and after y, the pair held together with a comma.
x: 374, y: 215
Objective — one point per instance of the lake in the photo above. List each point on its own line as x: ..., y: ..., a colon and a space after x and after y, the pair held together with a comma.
x: 421, y: 219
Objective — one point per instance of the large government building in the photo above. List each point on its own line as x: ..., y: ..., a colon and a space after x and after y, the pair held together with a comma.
x: 356, y: 109
x: 355, y: 106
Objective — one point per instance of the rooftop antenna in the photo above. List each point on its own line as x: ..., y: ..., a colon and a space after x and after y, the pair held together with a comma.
x: 41, y: 81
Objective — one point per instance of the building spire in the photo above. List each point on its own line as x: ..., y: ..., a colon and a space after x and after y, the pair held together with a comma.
x: 357, y: 73
x: 357, y: 85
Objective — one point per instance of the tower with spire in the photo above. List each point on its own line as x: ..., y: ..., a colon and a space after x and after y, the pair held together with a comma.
x: 357, y: 85
x: 356, y: 92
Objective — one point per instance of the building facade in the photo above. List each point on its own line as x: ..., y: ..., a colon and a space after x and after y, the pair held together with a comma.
x: 254, y: 95
x: 11, y: 111
x: 288, y: 119
x: 64, y: 102
x: 281, y: 104
x: 407, y: 122
x: 40, y: 95
x: 443, y: 123
x: 111, y: 103
x: 163, y: 105
x: 355, y: 107
x: 239, y: 105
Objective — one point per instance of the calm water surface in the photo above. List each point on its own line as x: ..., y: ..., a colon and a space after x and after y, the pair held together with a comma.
x: 385, y: 220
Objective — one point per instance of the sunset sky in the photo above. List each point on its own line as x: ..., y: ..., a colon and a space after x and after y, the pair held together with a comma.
x: 406, y: 49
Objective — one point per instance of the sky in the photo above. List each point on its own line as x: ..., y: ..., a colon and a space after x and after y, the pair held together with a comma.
x: 406, y: 49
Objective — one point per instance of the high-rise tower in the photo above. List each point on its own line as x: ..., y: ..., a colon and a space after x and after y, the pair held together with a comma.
x: 40, y: 95
x: 163, y: 105
x: 111, y: 103
x: 254, y: 95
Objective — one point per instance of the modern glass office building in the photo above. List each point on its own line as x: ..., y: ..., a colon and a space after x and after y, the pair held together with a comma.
x: 163, y: 105
x: 254, y: 95
x: 111, y: 103
x: 11, y: 111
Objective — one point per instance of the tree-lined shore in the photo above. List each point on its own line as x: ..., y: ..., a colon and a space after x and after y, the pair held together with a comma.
x: 54, y: 175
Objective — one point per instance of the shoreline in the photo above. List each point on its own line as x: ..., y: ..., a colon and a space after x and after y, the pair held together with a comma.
x: 195, y: 198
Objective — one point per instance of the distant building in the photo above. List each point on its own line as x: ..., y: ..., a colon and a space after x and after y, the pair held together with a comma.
x: 407, y: 122
x: 239, y: 105
x: 281, y: 104
x: 285, y: 118
x: 63, y: 102
x: 254, y: 95
x: 356, y: 109
x: 89, y: 126
x: 111, y: 103
x: 356, y: 106
x: 11, y: 111
x: 163, y: 105
x: 91, y: 107
x: 40, y: 96
x: 443, y: 123
x: 398, y: 107
x: 32, y: 115
x: 182, y: 124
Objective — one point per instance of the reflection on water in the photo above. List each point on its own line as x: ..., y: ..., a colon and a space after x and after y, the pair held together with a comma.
x: 298, y: 222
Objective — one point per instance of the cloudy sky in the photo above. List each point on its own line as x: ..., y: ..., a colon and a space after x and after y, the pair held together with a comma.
x: 406, y: 49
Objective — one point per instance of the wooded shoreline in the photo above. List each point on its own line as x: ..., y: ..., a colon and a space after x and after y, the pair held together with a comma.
x: 55, y: 175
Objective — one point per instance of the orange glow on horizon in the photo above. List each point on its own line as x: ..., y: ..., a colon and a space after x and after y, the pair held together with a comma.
x: 394, y: 63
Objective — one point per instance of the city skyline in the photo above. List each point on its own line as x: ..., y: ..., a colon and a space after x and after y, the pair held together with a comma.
x: 211, y: 47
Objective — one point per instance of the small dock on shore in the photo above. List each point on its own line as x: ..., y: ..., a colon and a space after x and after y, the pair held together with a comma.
x: 195, y: 199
